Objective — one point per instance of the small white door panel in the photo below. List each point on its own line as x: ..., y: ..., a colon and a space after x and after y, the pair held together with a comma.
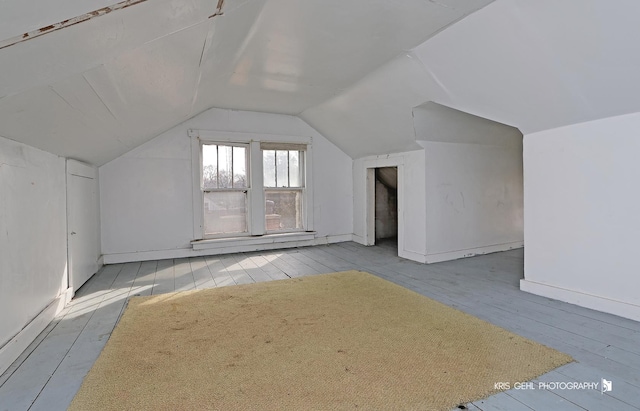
x: 83, y: 231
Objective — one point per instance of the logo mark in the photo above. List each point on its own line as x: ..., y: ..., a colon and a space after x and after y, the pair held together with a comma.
x: 605, y: 386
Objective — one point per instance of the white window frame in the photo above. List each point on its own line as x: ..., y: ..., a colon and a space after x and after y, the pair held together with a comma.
x: 302, y: 149
x: 245, y: 189
x: 256, y: 223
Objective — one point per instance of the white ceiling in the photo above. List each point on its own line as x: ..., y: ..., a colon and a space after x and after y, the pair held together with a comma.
x: 531, y: 65
x: 95, y: 90
x: 353, y: 70
x: 541, y: 64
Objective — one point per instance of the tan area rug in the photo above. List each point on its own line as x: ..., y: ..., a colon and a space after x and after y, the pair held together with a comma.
x: 334, y: 341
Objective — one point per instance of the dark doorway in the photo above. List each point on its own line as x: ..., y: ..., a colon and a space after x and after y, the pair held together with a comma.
x: 386, y: 206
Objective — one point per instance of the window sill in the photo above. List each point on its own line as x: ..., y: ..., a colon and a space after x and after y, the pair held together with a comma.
x: 253, y: 240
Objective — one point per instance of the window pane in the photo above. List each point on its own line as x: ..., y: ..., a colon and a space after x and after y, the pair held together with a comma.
x: 225, y: 173
x: 283, y: 209
x: 282, y: 168
x: 269, y: 167
x: 209, y: 166
x: 225, y: 212
x: 239, y: 167
x: 295, y: 169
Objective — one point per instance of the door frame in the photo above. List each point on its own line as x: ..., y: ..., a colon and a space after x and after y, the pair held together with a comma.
x: 370, y: 225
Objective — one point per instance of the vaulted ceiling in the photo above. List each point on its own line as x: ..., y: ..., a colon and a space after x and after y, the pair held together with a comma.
x: 353, y: 70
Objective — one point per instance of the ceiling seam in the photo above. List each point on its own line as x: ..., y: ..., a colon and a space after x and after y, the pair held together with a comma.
x: 100, y: 98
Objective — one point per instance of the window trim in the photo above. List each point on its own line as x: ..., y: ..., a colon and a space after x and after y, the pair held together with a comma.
x: 246, y: 190
x: 256, y: 224
x: 247, y: 164
x: 302, y: 161
x: 288, y: 147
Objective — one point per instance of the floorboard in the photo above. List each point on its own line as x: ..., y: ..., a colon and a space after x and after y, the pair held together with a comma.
x: 252, y: 269
x: 219, y: 272
x: 234, y: 269
x: 503, y: 402
x: 144, y: 282
x: 48, y: 374
x: 165, y: 279
x: 274, y: 272
x: 201, y: 275
x: 184, y: 280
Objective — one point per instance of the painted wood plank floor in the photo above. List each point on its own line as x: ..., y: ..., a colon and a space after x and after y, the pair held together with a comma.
x: 48, y: 374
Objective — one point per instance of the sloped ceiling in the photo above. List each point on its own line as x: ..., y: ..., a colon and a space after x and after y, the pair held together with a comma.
x: 437, y: 123
x: 542, y: 64
x: 353, y: 70
x: 533, y: 65
x: 94, y: 90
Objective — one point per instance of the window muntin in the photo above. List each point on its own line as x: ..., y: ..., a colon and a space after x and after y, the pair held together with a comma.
x: 251, y: 205
x: 283, y: 168
x: 225, y: 183
x: 224, y: 166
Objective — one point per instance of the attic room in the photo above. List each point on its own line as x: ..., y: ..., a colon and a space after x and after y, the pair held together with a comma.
x: 481, y: 153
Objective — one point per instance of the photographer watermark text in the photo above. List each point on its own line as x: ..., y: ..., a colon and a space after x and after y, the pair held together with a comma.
x: 603, y: 385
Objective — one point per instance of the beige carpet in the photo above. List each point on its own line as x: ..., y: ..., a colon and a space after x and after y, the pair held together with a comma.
x: 334, y: 341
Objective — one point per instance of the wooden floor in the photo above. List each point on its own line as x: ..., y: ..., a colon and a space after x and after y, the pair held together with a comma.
x: 50, y: 371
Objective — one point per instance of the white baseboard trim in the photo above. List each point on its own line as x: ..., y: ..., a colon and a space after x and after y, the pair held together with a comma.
x: 15, y: 346
x: 359, y: 239
x: 331, y: 239
x: 221, y: 248
x: 454, y: 255
x: 412, y: 255
x: 224, y: 243
x: 594, y: 302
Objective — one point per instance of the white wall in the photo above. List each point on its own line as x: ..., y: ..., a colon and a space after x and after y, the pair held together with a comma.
x: 474, y: 198
x: 454, y: 199
x: 474, y: 191
x: 582, y: 214
x: 33, y: 240
x: 411, y: 201
x: 146, y: 194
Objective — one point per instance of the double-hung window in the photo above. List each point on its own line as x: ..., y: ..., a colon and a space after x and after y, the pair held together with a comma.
x: 246, y: 186
x: 225, y: 183
x: 283, y: 166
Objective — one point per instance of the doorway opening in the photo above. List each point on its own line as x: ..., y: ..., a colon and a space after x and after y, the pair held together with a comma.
x: 385, y: 207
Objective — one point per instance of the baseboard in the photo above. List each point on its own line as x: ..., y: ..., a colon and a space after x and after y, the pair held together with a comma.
x: 14, y: 347
x: 227, y: 243
x: 454, y: 255
x: 359, y: 239
x: 331, y: 239
x: 233, y: 248
x: 594, y: 302
x: 412, y: 255
x: 119, y: 258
